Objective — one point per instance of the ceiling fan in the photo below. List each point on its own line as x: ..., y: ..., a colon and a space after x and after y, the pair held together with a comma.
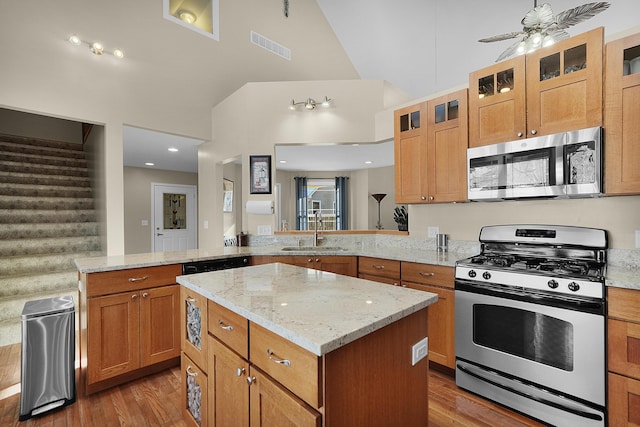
x: 541, y: 28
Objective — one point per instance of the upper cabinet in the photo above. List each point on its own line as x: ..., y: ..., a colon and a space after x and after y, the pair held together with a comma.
x: 431, y: 140
x: 622, y: 110
x: 554, y: 89
x: 410, y: 154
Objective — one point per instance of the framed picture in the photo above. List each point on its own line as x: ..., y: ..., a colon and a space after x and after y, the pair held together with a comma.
x: 260, y: 174
x: 227, y: 186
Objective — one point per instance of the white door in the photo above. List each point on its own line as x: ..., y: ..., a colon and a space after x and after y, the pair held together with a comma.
x: 174, y: 217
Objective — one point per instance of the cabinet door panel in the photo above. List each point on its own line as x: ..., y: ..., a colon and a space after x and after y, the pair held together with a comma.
x: 193, y: 326
x: 345, y: 265
x: 113, y: 346
x: 228, y: 388
x: 624, y: 401
x: 272, y: 405
x: 410, y: 155
x: 624, y: 347
x: 194, y: 393
x: 159, y: 324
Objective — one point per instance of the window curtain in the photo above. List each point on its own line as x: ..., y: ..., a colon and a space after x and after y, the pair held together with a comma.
x: 342, y: 203
x: 302, y: 220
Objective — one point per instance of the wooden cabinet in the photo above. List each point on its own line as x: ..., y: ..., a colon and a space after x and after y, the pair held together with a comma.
x: 623, y: 355
x: 228, y: 388
x: 194, y: 393
x: 128, y: 324
x: 553, y: 89
x: 379, y: 270
x: 438, y: 280
x: 430, y: 148
x: 447, y: 142
x: 622, y: 109
x: 410, y: 154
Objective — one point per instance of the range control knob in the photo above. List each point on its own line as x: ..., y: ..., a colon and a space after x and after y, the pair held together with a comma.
x: 574, y: 287
x: 552, y: 284
x: 472, y: 273
x: 486, y: 275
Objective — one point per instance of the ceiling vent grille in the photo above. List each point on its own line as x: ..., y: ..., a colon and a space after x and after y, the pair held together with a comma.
x: 270, y: 45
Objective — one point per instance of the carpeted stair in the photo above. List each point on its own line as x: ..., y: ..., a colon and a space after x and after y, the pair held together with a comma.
x: 47, y: 219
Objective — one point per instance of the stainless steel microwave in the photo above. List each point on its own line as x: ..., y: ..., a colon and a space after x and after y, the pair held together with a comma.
x: 567, y: 164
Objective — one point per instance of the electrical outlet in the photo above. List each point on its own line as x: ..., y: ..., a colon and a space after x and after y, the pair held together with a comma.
x: 264, y: 230
x: 432, y: 231
x: 205, y: 224
x: 637, y: 238
x: 419, y: 350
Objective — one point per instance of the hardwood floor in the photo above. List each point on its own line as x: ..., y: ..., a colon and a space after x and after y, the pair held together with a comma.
x: 154, y: 401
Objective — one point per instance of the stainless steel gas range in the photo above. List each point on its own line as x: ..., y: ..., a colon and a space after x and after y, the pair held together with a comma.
x: 530, y: 322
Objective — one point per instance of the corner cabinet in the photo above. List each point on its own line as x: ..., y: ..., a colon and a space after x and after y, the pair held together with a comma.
x: 129, y: 322
x: 622, y: 109
x: 553, y: 89
x: 430, y: 148
x: 623, y: 358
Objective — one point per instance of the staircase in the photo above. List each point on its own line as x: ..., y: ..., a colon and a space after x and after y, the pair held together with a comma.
x: 47, y: 219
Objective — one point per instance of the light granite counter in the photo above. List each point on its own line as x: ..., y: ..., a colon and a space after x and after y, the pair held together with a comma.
x: 316, y: 310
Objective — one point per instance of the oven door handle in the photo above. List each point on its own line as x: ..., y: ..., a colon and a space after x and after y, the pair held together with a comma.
x: 573, y: 410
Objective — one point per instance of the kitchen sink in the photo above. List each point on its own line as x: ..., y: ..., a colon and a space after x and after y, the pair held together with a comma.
x: 314, y: 248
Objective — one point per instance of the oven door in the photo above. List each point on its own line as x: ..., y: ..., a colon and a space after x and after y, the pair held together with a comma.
x: 555, y: 347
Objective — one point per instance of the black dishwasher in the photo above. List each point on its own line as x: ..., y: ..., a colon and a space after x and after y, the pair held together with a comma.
x: 203, y: 266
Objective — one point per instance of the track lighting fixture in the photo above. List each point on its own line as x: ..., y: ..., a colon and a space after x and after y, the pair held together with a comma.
x: 310, y: 103
x: 96, y: 48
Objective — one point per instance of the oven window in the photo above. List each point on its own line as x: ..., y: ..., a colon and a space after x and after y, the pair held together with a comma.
x: 528, y: 334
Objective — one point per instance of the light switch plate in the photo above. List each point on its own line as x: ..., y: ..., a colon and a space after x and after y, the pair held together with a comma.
x: 144, y: 222
x: 419, y: 350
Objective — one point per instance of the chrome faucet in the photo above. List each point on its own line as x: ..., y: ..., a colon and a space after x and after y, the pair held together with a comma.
x: 316, y: 237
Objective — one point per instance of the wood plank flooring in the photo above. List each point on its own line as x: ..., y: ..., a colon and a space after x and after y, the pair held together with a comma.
x: 154, y: 401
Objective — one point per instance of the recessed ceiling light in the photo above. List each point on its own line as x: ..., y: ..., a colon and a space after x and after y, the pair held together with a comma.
x: 149, y: 164
x: 173, y: 150
x: 368, y: 162
x: 283, y: 161
x: 186, y: 16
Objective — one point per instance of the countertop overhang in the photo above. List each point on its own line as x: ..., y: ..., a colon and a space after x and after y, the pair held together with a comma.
x: 317, y: 310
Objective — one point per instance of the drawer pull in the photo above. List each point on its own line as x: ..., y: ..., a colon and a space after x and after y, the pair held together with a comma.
x: 191, y: 374
x: 240, y: 371
x: 138, y: 279
x: 191, y: 299
x: 378, y: 267
x: 225, y: 327
x: 426, y: 274
x: 285, y: 362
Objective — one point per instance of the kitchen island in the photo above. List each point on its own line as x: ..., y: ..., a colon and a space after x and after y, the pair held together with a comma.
x: 304, y: 347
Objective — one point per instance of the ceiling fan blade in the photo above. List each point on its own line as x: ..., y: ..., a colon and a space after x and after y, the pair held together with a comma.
x: 579, y: 14
x: 539, y: 16
x: 509, y: 51
x: 501, y: 37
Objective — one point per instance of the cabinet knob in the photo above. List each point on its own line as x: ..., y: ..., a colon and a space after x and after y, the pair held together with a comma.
x: 251, y: 380
x: 533, y: 131
x: 134, y: 296
x: 145, y: 294
x: 240, y: 371
x: 423, y: 198
x: 519, y: 134
x: 317, y: 259
x: 430, y: 197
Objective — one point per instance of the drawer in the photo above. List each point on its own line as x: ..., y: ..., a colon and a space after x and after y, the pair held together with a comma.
x: 132, y: 279
x: 624, y: 304
x: 230, y: 328
x: 428, y: 274
x: 292, y: 366
x: 624, y: 401
x: 379, y: 267
x: 624, y: 348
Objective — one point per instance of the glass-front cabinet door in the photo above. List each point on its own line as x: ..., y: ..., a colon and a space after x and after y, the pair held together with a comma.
x: 564, y: 85
x: 497, y: 110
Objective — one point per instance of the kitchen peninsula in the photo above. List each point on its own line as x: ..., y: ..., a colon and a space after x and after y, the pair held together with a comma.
x: 316, y: 348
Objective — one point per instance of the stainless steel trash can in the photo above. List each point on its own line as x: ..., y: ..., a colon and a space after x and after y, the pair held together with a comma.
x: 48, y: 356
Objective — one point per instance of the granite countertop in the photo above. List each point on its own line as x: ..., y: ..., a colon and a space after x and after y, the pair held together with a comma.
x: 316, y: 310
x: 622, y: 270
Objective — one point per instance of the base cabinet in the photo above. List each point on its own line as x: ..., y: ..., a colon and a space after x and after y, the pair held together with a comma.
x: 193, y: 393
x: 129, y: 322
x: 228, y: 387
x: 623, y: 356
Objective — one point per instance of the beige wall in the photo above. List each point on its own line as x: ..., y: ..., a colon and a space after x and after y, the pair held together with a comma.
x: 14, y: 122
x: 138, y: 200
